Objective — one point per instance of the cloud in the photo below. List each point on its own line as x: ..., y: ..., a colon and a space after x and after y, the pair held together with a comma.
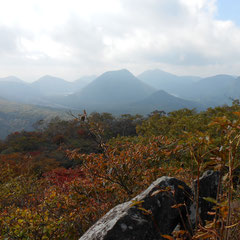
x: 93, y: 36
x: 8, y: 41
x: 175, y: 32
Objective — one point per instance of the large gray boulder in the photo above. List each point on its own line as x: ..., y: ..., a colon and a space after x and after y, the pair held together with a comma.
x: 166, y: 205
x: 148, y: 216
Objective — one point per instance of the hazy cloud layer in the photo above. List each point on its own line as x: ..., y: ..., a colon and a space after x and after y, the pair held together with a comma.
x: 73, y: 38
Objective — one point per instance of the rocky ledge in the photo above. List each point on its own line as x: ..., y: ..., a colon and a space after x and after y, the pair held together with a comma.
x: 167, y: 204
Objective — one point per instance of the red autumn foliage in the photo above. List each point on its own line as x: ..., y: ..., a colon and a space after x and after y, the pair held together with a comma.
x: 62, y: 177
x: 81, y: 132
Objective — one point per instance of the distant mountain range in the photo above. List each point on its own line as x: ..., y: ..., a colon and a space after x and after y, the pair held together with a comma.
x: 210, y: 91
x: 19, y: 91
x: 50, y: 86
x: 11, y: 79
x: 117, y: 92
x: 161, y: 100
x: 111, y: 89
x: 121, y: 92
x: 168, y: 82
x: 41, y: 91
x: 214, y: 90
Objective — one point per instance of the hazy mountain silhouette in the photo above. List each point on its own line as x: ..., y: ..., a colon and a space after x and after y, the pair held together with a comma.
x: 16, y: 90
x: 110, y: 89
x: 40, y: 92
x: 50, y: 85
x: 83, y: 82
x: 213, y: 91
x: 11, y: 79
x: 210, y: 91
x: 234, y: 90
x: 168, y: 82
x: 161, y: 100
x: 19, y: 91
x: 208, y: 85
x: 121, y: 92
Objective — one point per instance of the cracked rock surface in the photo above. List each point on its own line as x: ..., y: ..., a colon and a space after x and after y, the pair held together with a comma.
x: 148, y: 220
x: 166, y: 205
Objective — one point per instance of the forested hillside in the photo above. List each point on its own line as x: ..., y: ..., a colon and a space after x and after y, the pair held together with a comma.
x: 17, y: 117
x: 58, y: 180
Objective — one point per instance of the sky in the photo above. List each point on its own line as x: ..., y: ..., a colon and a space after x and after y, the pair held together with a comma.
x: 75, y: 38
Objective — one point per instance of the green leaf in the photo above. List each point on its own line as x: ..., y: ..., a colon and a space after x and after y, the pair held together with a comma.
x: 209, y: 199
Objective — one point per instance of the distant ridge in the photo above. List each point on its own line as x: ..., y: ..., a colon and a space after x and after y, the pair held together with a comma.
x: 213, y: 91
x: 111, y: 88
x: 11, y: 79
x: 171, y: 83
x: 234, y: 90
x: 50, y: 85
x: 17, y: 117
x: 19, y: 91
x: 163, y: 101
x: 121, y: 92
x: 83, y: 81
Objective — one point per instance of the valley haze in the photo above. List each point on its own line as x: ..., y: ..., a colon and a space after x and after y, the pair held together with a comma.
x: 117, y: 92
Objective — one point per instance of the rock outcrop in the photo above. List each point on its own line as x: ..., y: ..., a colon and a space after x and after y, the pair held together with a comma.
x: 147, y: 216
x: 208, y: 188
x: 166, y: 205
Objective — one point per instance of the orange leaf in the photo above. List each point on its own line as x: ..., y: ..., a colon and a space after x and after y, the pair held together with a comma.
x: 178, y: 205
x: 168, y: 237
x: 237, y: 113
x: 234, y: 225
